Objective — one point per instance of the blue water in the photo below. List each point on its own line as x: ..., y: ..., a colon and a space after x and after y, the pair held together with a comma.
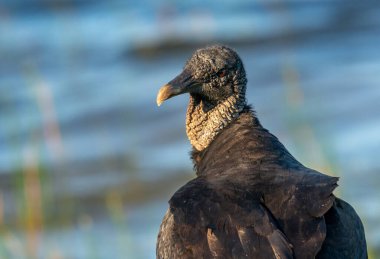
x: 78, y: 82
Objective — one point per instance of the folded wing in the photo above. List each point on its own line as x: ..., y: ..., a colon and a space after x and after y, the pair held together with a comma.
x: 220, y: 221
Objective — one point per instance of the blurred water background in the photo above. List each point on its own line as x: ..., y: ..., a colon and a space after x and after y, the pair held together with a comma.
x: 87, y: 160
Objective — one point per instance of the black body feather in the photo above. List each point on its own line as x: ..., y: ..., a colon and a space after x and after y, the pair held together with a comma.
x: 252, y: 199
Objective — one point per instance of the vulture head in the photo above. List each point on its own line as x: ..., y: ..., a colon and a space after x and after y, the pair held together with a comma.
x: 211, y: 75
x: 215, y: 79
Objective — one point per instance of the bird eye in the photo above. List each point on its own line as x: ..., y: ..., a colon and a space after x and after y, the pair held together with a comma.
x: 221, y: 73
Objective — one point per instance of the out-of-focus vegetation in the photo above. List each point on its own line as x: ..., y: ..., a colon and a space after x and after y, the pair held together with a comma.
x: 87, y: 160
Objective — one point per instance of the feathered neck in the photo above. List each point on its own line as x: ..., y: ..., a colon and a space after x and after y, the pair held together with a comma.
x: 246, y: 119
x: 204, y: 120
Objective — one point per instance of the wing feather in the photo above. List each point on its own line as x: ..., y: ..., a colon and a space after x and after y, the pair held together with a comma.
x: 213, y: 218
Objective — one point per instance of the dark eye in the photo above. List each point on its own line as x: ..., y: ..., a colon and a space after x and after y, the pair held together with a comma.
x: 221, y: 73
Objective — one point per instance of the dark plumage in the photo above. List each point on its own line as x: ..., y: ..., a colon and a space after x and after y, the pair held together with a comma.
x: 251, y: 198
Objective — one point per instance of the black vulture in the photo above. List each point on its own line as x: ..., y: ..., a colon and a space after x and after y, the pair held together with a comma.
x: 251, y: 198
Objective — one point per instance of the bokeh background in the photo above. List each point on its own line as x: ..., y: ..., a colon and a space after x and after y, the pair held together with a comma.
x: 87, y: 160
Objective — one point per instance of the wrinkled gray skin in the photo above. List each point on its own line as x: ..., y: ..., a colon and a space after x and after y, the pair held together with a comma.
x: 220, y: 73
x: 218, y: 95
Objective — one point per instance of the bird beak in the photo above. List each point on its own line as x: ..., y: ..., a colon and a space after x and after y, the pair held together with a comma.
x: 179, y: 85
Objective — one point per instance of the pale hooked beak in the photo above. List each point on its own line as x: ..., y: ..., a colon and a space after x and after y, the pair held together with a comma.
x: 183, y: 83
x: 164, y: 93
